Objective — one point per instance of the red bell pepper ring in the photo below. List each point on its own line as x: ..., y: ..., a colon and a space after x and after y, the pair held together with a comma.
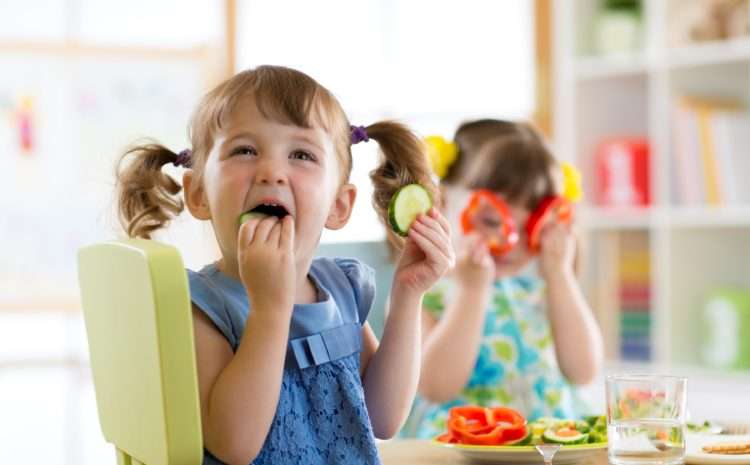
x: 487, y: 436
x: 485, y: 426
x: 508, y: 237
x: 448, y: 438
x: 472, y: 413
x: 513, y: 422
x: 552, y: 208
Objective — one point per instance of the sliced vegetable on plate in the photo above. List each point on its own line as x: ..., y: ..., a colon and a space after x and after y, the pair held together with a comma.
x: 502, y: 426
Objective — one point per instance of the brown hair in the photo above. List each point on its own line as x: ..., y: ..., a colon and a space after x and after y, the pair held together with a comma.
x: 148, y: 198
x: 518, y: 165
x: 469, y: 137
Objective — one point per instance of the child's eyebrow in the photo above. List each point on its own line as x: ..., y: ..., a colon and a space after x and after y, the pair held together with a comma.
x: 297, y: 137
x: 241, y: 135
x: 309, y: 140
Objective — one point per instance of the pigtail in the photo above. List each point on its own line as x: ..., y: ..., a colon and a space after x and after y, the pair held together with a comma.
x: 147, y: 198
x: 404, y: 161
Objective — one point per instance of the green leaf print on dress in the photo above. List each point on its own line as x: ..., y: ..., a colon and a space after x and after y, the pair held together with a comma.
x: 433, y: 302
x: 501, y: 306
x: 504, y: 350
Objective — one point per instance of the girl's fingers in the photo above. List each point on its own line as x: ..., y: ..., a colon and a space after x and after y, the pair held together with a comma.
x: 435, y: 213
x: 435, y: 234
x: 261, y: 232
x: 247, y: 231
x: 428, y: 231
x: 427, y: 246
x: 286, y: 238
x: 467, y: 244
x: 430, y: 222
x: 274, y: 234
x: 554, y: 232
x: 434, y: 224
x: 479, y: 253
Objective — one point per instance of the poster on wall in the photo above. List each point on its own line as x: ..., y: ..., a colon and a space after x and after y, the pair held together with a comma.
x: 63, y: 125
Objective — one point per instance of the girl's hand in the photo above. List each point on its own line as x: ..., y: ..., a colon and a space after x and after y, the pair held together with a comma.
x: 427, y: 255
x: 266, y: 262
x: 558, y: 250
x: 475, y: 268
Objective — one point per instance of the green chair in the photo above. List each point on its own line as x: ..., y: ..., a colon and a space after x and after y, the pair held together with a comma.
x: 139, y: 326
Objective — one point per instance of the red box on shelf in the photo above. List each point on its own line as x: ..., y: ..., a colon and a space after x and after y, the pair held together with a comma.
x: 622, y: 168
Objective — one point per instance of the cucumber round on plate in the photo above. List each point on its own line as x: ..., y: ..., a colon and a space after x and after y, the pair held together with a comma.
x: 408, y: 202
x: 565, y: 435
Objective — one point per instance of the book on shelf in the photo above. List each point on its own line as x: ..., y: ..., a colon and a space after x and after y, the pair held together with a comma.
x: 732, y: 139
x: 711, y: 151
x: 634, y: 295
x: 639, y: 350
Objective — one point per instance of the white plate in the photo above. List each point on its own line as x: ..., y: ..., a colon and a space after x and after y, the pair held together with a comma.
x: 523, y: 454
x: 695, y: 455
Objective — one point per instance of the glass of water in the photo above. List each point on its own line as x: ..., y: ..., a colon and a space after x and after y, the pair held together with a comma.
x: 646, y: 419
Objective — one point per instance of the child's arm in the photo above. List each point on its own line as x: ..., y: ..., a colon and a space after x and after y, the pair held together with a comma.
x: 239, y: 392
x: 578, y: 339
x: 451, y: 344
x: 392, y: 368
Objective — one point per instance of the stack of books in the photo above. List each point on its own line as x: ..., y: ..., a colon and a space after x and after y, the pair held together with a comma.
x: 711, y: 151
x: 635, y: 299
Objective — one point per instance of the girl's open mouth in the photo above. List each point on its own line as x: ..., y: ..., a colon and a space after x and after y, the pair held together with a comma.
x: 270, y: 210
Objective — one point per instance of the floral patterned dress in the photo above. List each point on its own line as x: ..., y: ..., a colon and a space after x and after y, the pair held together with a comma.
x: 516, y: 366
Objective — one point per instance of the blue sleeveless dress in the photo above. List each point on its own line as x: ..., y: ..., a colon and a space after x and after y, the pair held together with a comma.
x: 321, y: 417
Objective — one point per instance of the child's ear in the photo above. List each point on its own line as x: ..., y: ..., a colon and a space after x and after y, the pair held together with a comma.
x: 342, y: 207
x: 195, y: 196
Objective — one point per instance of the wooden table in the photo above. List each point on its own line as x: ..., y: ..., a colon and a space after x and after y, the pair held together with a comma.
x: 421, y: 452
x: 415, y: 452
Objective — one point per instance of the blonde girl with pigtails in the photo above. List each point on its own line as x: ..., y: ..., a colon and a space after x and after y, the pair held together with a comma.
x: 289, y: 369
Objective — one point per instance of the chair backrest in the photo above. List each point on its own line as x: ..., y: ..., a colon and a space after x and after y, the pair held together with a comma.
x: 139, y: 326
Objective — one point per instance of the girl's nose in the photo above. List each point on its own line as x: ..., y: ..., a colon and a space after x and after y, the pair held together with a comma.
x: 271, y: 172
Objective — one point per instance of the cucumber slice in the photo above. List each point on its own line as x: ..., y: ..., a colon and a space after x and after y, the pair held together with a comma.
x: 551, y: 436
x: 405, y: 205
x: 596, y: 436
x: 246, y: 216
x: 582, y: 426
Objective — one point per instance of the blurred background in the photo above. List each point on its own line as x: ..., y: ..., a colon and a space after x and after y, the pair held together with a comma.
x: 648, y: 98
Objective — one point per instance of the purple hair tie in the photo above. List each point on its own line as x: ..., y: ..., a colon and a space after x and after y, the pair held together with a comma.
x: 183, y: 158
x: 359, y: 134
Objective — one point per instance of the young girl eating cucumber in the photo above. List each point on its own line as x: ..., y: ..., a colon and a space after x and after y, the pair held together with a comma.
x: 289, y: 369
x: 510, y: 326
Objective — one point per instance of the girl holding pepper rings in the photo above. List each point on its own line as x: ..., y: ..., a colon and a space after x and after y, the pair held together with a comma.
x: 510, y: 326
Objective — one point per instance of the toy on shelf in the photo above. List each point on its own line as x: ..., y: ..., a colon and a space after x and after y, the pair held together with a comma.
x: 622, y: 166
x: 25, y: 122
x: 617, y: 27
x: 726, y: 329
x: 693, y: 21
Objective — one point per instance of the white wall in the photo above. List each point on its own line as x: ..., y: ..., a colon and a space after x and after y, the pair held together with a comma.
x: 431, y: 64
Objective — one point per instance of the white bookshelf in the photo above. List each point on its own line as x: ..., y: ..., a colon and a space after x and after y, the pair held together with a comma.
x: 693, y: 249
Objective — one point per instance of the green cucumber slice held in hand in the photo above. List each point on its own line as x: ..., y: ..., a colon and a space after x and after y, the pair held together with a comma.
x: 408, y: 202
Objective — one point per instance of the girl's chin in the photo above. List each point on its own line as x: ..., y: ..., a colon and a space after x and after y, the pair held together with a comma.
x: 505, y: 268
x: 503, y: 272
